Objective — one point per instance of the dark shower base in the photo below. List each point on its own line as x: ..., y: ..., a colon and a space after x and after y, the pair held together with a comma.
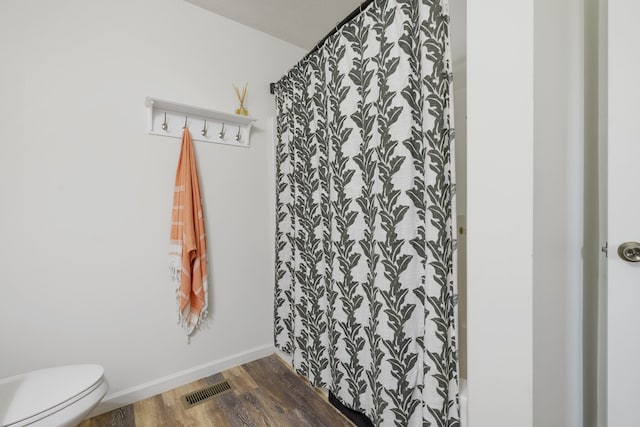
x: 358, y: 418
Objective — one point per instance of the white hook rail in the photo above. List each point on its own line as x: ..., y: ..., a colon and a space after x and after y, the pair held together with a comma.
x: 167, y: 118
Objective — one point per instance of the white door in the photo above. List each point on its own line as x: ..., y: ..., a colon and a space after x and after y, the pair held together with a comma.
x: 623, y: 281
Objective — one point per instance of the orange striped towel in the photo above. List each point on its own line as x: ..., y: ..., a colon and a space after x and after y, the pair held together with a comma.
x: 188, y: 245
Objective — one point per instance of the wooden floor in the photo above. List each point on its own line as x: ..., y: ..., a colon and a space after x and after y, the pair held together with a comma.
x: 264, y: 393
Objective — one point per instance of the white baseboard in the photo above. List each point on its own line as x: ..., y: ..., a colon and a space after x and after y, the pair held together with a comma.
x: 285, y: 356
x: 151, y: 388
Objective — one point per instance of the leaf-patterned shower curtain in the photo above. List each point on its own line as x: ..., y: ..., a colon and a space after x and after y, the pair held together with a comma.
x: 365, y: 298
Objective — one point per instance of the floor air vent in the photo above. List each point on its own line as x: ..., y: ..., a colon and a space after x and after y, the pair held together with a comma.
x: 192, y: 399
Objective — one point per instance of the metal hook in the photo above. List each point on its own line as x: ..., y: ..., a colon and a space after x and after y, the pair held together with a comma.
x: 165, y: 126
x: 185, y: 123
x: 238, y: 134
x: 204, y: 129
x: 221, y: 133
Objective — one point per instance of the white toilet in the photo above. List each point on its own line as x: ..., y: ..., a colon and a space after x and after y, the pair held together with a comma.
x: 56, y: 397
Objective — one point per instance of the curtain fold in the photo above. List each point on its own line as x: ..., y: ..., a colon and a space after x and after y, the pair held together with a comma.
x: 365, y: 296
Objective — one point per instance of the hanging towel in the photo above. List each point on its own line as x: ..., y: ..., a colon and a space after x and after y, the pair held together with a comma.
x: 187, y: 246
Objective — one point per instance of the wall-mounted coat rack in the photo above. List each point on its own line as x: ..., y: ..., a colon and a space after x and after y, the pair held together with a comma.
x: 167, y: 118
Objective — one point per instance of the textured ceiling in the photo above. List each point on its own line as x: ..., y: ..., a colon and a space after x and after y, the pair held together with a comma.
x: 305, y: 22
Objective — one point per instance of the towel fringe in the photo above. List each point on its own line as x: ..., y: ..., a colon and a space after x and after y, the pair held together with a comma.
x: 182, y: 320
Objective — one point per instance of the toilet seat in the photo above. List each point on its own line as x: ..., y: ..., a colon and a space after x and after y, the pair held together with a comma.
x: 38, y: 394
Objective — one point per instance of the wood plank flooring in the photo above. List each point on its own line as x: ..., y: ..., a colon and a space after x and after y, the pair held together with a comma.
x: 265, y: 393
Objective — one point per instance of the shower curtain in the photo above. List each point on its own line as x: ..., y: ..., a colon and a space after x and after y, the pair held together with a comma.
x: 365, y: 297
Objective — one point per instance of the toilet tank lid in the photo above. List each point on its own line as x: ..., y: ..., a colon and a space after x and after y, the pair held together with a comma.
x: 23, y: 396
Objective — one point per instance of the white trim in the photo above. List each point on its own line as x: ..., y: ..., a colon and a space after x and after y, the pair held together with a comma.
x: 151, y: 388
x: 285, y: 356
x: 603, y: 160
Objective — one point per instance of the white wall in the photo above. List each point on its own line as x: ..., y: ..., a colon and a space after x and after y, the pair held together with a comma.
x: 566, y: 248
x: 558, y: 212
x: 87, y: 193
x: 500, y: 211
x: 553, y: 388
